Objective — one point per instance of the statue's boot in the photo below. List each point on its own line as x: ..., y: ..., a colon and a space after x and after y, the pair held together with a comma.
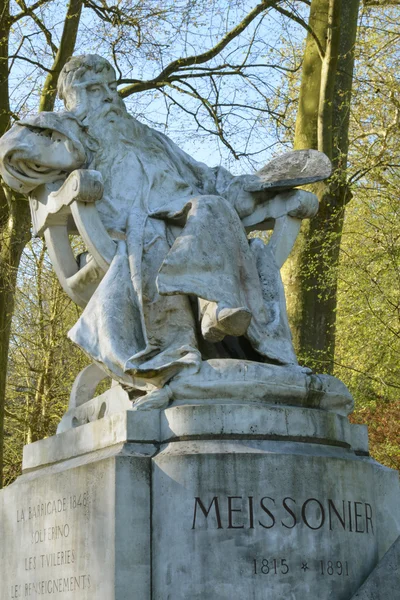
x: 217, y: 323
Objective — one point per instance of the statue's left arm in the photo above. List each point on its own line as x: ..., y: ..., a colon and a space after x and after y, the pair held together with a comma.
x: 251, y: 194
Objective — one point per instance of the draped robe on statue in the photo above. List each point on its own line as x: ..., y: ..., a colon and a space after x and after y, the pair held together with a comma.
x: 180, y: 237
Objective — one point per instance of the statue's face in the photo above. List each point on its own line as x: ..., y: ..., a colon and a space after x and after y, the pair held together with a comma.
x: 96, y: 94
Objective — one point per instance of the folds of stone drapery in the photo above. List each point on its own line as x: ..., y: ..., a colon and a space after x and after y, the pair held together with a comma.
x: 139, y: 324
x: 142, y: 339
x: 212, y: 259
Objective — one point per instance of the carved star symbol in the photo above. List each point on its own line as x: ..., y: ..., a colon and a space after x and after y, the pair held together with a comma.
x: 305, y: 566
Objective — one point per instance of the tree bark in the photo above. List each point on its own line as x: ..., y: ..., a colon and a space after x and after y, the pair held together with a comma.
x: 322, y: 123
x: 14, y: 232
x: 66, y: 49
x: 49, y: 304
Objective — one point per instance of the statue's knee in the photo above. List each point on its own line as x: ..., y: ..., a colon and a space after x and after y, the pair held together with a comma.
x: 216, y: 202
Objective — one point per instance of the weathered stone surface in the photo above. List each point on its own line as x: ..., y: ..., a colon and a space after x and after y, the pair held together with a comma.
x: 80, y: 530
x: 234, y: 520
x: 219, y: 501
x: 248, y: 381
x: 292, y: 169
x: 198, y: 421
x: 110, y: 402
x: 257, y: 421
x: 267, y: 520
x: 384, y: 581
x: 225, y: 380
x: 143, y: 428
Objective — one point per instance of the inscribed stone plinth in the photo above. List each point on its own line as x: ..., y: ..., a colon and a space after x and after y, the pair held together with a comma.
x: 200, y: 502
x: 79, y: 531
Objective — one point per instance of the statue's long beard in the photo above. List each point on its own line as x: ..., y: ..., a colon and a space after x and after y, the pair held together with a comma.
x: 108, y: 130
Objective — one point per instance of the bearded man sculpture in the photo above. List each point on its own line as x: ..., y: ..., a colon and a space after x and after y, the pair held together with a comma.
x: 185, y: 287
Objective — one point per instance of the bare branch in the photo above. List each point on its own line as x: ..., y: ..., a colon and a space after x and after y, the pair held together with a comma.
x: 46, y: 33
x: 206, y: 72
x: 27, y: 10
x: 12, y: 415
x: 300, y: 21
x: 26, y: 59
x: 180, y: 63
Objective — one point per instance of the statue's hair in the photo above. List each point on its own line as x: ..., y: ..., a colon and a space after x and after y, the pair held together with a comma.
x: 76, y: 67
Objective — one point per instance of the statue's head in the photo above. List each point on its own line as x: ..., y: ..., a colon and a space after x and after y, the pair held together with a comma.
x: 88, y: 86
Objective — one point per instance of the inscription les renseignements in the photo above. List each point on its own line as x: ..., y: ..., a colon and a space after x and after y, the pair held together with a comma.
x: 51, y: 586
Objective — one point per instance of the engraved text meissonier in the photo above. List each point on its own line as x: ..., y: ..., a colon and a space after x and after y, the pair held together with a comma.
x: 243, y: 512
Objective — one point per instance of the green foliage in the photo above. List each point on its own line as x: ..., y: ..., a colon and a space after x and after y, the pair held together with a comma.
x: 368, y: 312
x: 368, y: 323
x: 43, y: 363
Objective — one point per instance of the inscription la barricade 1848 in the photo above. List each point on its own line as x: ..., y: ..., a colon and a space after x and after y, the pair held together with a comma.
x: 52, y: 507
x: 53, y: 558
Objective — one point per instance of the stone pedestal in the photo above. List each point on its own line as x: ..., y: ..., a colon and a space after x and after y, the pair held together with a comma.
x: 208, y: 502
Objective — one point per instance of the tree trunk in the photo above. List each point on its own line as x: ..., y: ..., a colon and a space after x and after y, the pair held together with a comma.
x: 14, y: 211
x: 322, y: 123
x: 49, y: 295
x: 14, y: 232
x: 66, y: 49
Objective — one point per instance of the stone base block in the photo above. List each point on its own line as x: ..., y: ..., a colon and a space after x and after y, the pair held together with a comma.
x: 384, y: 581
x: 79, y: 530
x: 214, y: 502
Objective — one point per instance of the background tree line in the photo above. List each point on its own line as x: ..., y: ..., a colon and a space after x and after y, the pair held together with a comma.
x: 248, y: 80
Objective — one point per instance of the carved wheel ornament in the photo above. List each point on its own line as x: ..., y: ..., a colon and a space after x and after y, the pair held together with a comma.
x: 61, y: 210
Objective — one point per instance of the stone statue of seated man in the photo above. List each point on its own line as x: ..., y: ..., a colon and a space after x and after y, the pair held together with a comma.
x: 185, y: 284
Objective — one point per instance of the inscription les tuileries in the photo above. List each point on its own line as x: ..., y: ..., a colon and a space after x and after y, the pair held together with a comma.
x: 53, y: 559
x: 241, y: 512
